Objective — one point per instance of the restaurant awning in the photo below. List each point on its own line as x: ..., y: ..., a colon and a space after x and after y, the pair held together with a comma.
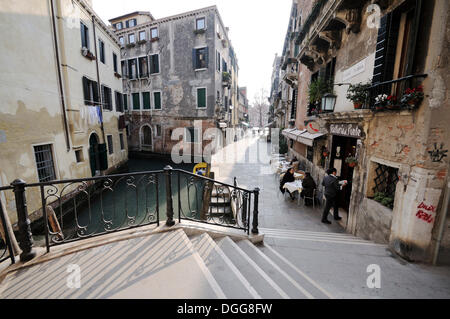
x: 308, y: 138
x: 293, y: 133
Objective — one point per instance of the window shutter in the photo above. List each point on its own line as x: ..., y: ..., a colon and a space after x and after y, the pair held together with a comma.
x: 194, y: 58
x: 95, y: 92
x: 413, y: 39
x: 83, y: 34
x: 125, y: 101
x: 156, y: 63
x: 386, y: 48
x: 127, y: 23
x: 207, y: 57
x: 86, y: 90
x: 157, y: 96
x: 92, y: 160
x: 146, y: 98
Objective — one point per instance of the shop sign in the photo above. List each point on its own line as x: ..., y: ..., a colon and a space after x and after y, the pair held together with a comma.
x: 313, y: 128
x: 348, y: 130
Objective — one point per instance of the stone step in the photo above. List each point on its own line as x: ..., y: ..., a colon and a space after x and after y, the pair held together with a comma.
x: 299, y: 276
x: 260, y: 281
x: 276, y: 273
x: 230, y: 279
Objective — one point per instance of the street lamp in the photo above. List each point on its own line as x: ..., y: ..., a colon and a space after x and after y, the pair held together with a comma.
x: 329, y: 102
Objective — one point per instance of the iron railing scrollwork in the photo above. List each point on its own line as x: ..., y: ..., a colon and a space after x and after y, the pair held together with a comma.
x: 6, y: 249
x: 78, y: 209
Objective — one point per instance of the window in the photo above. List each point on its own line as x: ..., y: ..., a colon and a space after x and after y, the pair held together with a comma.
x: 115, y: 62
x: 131, y: 23
x: 119, y: 26
x: 191, y: 135
x: 121, y: 41
x: 158, y: 130
x: 146, y: 100
x: 122, y: 144
x: 79, y: 156
x: 294, y: 105
x: 224, y: 66
x: 136, y: 101
x: 201, y: 98
x: 154, y: 64
x: 157, y: 100
x: 154, y: 34
x: 142, y: 36
x: 110, y: 144
x: 218, y: 59
x: 107, y: 98
x: 84, y: 36
x: 44, y: 163
x: 90, y: 91
x: 200, y: 58
x: 200, y: 24
x: 119, y: 101
x: 101, y: 48
x: 131, y: 38
x: 132, y: 69
x: 143, y: 67
x: 123, y: 65
x: 385, y: 180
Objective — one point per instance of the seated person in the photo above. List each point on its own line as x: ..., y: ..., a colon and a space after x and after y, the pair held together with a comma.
x: 308, y: 188
x: 288, y: 178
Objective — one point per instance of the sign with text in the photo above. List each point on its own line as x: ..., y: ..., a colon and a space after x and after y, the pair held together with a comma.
x: 354, y: 70
x: 348, y: 130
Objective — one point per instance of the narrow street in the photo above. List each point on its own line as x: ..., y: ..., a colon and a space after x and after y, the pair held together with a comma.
x: 335, y: 260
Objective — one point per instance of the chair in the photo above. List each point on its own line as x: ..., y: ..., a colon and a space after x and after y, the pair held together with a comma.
x: 313, y: 198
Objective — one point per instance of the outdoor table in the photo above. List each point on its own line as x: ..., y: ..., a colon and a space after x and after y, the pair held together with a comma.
x: 293, y: 187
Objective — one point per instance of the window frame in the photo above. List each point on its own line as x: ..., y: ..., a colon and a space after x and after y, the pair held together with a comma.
x: 154, y: 100
x: 115, y: 64
x: 110, y: 146
x: 204, y: 23
x: 151, y: 64
x: 121, y: 141
x: 132, y: 99
x: 145, y: 35
x: 129, y: 40
x: 86, y: 35
x: 144, y: 108
x: 101, y: 51
x: 151, y: 33
x: 122, y: 40
x: 206, y: 58
x: 139, y: 72
x: 53, y: 159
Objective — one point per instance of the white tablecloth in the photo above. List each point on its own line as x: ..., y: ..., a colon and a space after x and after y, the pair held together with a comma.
x: 296, y: 186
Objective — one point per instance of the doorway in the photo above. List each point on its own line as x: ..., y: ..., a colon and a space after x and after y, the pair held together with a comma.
x: 343, y: 147
x: 94, y: 154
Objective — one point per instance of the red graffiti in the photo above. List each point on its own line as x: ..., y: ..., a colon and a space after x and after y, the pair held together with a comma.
x: 425, y: 216
x: 430, y: 208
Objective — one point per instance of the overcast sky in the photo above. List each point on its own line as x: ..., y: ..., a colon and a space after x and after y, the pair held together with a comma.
x: 257, y: 29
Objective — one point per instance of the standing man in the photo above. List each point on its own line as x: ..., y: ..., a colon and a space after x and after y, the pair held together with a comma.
x: 332, y: 188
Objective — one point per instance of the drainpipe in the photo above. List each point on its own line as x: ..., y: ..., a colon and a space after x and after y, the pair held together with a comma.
x: 60, y: 82
x: 98, y: 81
x: 444, y: 211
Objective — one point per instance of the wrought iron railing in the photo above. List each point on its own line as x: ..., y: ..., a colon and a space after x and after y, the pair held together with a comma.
x: 6, y: 250
x: 78, y: 209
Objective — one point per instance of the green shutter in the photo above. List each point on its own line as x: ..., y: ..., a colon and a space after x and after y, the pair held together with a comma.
x: 92, y: 160
x: 146, y: 98
x: 136, y: 102
x: 125, y: 102
x: 201, y: 98
x: 157, y: 97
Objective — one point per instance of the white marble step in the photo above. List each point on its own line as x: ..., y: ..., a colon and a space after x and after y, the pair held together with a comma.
x: 293, y: 288
x: 232, y: 282
x: 294, y: 272
x: 159, y: 266
x: 264, y: 285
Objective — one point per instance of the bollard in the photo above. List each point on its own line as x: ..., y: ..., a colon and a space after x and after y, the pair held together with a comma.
x: 168, y: 171
x: 255, y: 212
x: 25, y: 236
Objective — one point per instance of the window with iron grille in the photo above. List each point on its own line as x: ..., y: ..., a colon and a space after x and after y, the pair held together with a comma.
x: 44, y: 163
x: 386, y: 179
x: 110, y: 144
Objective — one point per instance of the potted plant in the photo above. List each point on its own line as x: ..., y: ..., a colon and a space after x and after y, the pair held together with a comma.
x: 351, y: 161
x: 316, y: 90
x: 384, y: 199
x: 412, y: 97
x: 391, y: 102
x: 381, y: 101
x: 357, y: 93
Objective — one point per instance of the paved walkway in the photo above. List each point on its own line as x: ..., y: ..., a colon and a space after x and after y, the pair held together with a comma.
x: 336, y: 260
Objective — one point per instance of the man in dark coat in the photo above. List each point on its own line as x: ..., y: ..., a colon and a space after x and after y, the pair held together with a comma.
x: 287, y: 178
x: 332, y: 188
x: 308, y: 186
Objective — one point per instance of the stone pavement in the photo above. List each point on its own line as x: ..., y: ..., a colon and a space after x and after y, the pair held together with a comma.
x: 336, y: 260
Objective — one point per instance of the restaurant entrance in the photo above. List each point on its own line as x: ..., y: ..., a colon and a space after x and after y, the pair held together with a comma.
x: 343, y: 147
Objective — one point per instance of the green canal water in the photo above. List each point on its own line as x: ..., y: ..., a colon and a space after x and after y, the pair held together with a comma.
x: 127, y: 202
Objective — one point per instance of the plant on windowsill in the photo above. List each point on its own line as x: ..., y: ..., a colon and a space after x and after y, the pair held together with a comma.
x: 142, y: 41
x: 316, y: 90
x: 226, y: 77
x: 154, y: 39
x: 357, y: 93
x: 117, y: 75
x: 384, y: 200
x: 131, y: 45
x: 412, y: 98
x: 351, y: 161
x: 88, y: 54
x: 199, y: 31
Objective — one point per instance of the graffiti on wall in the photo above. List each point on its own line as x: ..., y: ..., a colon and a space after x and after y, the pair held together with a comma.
x: 438, y: 154
x: 426, y: 212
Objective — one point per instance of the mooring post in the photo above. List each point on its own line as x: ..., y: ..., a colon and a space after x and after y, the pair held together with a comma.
x: 25, y: 236
x: 168, y: 172
x: 255, y: 212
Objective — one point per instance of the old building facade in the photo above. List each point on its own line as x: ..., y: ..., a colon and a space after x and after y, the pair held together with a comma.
x: 391, y: 143
x: 61, y: 102
x: 178, y: 72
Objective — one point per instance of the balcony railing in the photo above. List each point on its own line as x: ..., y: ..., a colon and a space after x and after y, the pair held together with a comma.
x: 78, y: 209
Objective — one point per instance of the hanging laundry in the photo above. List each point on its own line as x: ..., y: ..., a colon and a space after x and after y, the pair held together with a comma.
x: 99, y: 113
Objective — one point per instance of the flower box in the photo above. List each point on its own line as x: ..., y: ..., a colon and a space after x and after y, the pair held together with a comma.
x: 154, y: 39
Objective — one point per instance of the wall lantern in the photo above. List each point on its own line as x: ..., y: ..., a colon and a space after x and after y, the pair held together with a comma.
x: 328, y: 102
